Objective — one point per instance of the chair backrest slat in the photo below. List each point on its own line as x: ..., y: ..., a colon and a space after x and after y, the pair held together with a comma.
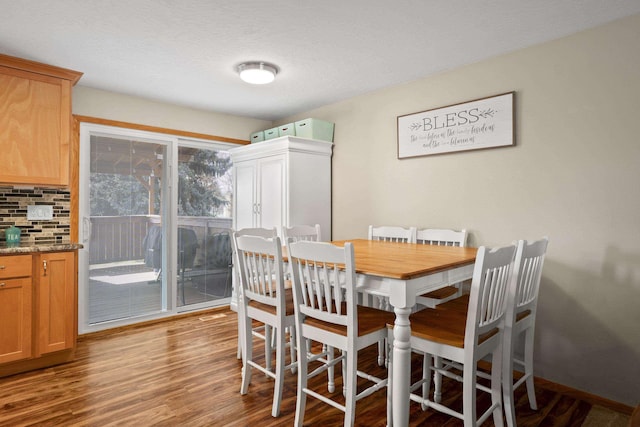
x: 324, y: 281
x: 261, y: 270
x: 527, y: 274
x: 487, y: 300
x: 267, y: 233
x: 302, y: 232
x: 442, y: 237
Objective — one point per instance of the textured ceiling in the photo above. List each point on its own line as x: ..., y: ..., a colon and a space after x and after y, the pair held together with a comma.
x: 185, y: 51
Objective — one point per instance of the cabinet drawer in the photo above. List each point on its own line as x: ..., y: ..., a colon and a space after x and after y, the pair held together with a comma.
x: 15, y: 266
x: 14, y: 283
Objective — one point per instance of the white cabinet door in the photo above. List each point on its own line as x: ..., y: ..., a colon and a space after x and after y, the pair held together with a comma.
x: 245, y: 195
x: 272, y: 193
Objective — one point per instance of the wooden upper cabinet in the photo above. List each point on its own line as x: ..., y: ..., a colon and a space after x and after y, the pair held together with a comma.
x: 35, y: 122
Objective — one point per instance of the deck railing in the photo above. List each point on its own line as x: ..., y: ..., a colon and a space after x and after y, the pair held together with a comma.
x: 121, y: 238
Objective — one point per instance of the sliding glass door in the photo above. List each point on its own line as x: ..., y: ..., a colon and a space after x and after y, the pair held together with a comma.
x: 204, y: 225
x: 155, y: 224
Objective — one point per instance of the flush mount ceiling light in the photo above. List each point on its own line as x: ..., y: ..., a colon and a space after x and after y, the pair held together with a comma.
x: 257, y: 73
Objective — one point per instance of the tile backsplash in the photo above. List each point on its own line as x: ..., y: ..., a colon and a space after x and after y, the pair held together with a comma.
x: 13, y: 211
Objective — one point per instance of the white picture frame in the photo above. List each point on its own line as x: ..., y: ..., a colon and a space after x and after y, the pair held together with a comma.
x: 472, y: 125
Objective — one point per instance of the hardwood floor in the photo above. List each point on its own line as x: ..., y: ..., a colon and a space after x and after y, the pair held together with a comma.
x: 184, y: 372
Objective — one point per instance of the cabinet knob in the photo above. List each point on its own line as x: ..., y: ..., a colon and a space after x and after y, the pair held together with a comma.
x: 2, y: 284
x: 44, y: 266
x: 2, y: 267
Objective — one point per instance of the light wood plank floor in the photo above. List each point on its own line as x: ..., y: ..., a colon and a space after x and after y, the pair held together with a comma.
x: 184, y: 372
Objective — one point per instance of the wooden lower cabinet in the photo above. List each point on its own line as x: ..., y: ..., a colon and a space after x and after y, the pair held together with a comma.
x: 16, y: 304
x: 55, y: 296
x: 38, y: 319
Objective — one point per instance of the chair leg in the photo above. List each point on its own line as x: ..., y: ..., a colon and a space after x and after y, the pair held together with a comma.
x: 383, y: 304
x: 268, y: 348
x: 344, y: 374
x: 301, y: 396
x: 240, y: 332
x: 507, y: 381
x: 247, y: 354
x: 331, y: 383
x: 459, y: 287
x: 350, y: 378
x: 389, y: 387
x: 277, y: 389
x: 292, y: 347
x: 381, y: 353
x: 437, y: 379
x: 528, y: 368
x: 496, y: 386
x: 426, y: 377
x: 469, y: 393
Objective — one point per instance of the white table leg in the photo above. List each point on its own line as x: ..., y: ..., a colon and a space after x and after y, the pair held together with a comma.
x: 401, y: 367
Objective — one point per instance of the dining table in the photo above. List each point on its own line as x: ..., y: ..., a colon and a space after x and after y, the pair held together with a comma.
x: 400, y: 272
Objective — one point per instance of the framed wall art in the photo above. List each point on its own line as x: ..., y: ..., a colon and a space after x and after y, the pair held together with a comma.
x: 473, y: 125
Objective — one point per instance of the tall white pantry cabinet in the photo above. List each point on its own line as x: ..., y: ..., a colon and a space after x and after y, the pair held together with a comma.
x: 282, y: 182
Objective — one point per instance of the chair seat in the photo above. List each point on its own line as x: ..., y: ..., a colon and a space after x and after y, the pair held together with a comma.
x: 459, y: 304
x: 441, y: 293
x: 443, y: 326
x: 369, y: 320
x: 462, y: 303
x: 288, y: 300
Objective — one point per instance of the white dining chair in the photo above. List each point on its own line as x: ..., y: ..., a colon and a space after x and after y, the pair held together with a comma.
x: 332, y: 317
x: 265, y: 299
x: 392, y: 234
x: 521, y: 319
x: 441, y: 237
x: 386, y: 233
x: 260, y: 331
x: 302, y: 232
x: 465, y: 337
x: 311, y: 233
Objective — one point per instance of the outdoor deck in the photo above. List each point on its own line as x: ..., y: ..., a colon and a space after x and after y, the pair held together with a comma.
x: 124, y: 262
x: 121, y: 290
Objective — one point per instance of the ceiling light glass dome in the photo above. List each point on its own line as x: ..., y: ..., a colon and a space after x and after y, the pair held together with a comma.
x: 257, y: 73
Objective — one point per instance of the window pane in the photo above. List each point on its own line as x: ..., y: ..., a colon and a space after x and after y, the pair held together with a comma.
x: 204, y: 225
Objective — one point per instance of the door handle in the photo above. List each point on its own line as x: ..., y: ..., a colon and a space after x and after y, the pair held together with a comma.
x: 86, y: 229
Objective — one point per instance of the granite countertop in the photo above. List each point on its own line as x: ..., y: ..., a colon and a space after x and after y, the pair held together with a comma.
x: 29, y: 247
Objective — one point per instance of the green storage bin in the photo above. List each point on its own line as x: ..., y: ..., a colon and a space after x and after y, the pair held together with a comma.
x: 315, y: 129
x: 271, y: 133
x: 288, y: 129
x: 257, y: 137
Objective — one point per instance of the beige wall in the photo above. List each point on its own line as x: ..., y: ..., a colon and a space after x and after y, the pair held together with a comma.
x: 114, y: 106
x: 573, y: 175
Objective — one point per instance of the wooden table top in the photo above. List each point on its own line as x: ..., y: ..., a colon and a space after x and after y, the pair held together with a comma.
x: 406, y: 260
